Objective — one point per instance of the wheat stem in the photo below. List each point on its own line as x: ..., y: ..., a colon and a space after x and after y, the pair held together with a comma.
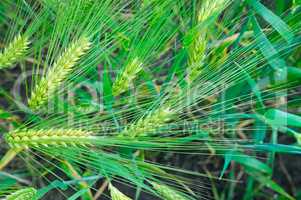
x: 9, y: 155
x: 83, y: 184
x: 101, y: 189
x: 58, y: 73
x: 124, y: 79
x: 14, y: 52
x: 48, y: 137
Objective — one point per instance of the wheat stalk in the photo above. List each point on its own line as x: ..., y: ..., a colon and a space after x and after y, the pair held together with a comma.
x: 167, y: 193
x: 124, y: 79
x: 23, y: 194
x: 58, y: 73
x: 116, y: 194
x: 47, y: 137
x: 150, y: 123
x: 14, y: 52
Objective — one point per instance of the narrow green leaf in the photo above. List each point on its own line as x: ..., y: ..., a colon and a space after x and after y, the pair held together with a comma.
x: 278, y: 118
x: 249, y: 162
x: 275, y: 21
x: 77, y: 194
x: 270, y: 184
x: 278, y: 148
x: 107, y: 89
x: 266, y: 47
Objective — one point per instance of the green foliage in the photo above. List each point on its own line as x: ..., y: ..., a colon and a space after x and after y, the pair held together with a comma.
x: 153, y: 95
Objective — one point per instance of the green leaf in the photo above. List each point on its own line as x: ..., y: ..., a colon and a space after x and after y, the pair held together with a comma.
x: 265, y: 46
x: 253, y: 85
x: 247, y: 161
x: 6, y: 182
x: 275, y: 21
x: 278, y: 118
x: 107, y: 89
x: 270, y: 184
x: 78, y: 194
x: 294, y: 73
x: 63, y: 185
x: 278, y: 148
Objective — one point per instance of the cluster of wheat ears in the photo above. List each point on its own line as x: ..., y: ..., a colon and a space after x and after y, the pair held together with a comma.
x: 172, y: 76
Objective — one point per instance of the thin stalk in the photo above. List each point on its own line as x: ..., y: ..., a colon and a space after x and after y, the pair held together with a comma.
x: 9, y: 155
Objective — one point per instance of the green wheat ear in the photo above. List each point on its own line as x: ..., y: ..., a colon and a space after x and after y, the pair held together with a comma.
x: 14, y: 52
x: 54, y: 78
x: 150, y: 123
x: 47, y: 137
x: 167, y: 193
x: 124, y: 79
x: 23, y: 194
x: 209, y: 8
x: 196, y: 56
x: 197, y: 49
x: 116, y: 194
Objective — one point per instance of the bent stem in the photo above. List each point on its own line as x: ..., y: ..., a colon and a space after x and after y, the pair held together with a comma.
x: 9, y: 155
x: 83, y: 184
x: 101, y: 189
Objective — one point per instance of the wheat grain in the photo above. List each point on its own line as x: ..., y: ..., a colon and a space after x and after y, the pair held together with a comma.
x: 14, y: 52
x: 167, y: 193
x: 124, y: 79
x: 58, y: 73
x: 23, y: 194
x: 150, y: 123
x: 47, y: 137
x: 116, y: 194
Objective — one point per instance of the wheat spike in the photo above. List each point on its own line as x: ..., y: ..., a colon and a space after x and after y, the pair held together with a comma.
x: 167, y: 193
x: 116, y: 194
x: 23, y: 194
x: 210, y: 7
x: 58, y: 73
x: 197, y: 49
x: 47, y: 137
x: 149, y: 123
x: 124, y: 79
x: 14, y: 52
x: 196, y: 56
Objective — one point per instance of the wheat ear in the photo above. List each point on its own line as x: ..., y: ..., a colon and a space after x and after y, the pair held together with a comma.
x: 58, y: 73
x: 48, y: 137
x: 14, y: 52
x: 210, y: 7
x: 150, y: 123
x: 197, y: 49
x: 167, y: 193
x: 116, y: 194
x: 124, y: 79
x: 196, y: 56
x: 23, y: 194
